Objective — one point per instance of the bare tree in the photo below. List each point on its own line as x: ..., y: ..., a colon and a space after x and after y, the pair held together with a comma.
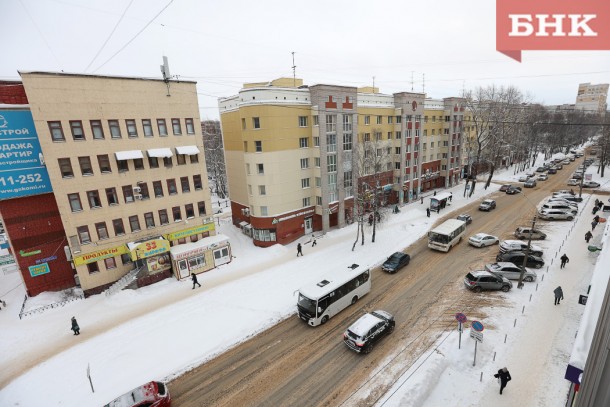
x: 214, y: 156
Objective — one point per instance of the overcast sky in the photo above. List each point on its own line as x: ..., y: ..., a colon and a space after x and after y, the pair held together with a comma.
x: 222, y: 44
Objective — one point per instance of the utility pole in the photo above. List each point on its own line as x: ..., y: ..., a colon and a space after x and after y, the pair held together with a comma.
x: 527, y: 253
x: 582, y: 177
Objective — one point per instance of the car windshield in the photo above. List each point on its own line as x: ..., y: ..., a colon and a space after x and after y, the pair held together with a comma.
x: 307, y: 304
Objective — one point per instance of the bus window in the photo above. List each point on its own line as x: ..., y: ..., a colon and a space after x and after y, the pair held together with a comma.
x: 322, y: 305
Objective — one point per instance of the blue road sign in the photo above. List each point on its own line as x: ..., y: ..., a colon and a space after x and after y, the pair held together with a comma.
x: 477, y: 326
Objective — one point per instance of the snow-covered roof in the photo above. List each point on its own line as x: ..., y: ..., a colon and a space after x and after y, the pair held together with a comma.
x: 159, y: 152
x: 188, y: 150
x: 203, y: 244
x: 129, y: 155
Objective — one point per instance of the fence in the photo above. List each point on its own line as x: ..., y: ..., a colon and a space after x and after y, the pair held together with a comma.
x: 42, y: 309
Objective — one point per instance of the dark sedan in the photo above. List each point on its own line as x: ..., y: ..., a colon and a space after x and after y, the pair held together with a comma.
x: 395, y: 262
x: 513, y: 190
x: 517, y: 258
x: 465, y: 217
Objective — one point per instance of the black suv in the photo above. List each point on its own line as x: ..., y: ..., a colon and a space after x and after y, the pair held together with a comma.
x: 517, y: 258
x: 395, y: 262
x: 362, y: 335
x: 480, y: 280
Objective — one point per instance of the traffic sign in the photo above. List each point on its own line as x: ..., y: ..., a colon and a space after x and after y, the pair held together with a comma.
x: 477, y: 326
x: 461, y: 317
x: 476, y: 335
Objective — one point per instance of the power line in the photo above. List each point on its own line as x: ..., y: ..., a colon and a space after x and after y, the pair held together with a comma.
x: 44, y: 39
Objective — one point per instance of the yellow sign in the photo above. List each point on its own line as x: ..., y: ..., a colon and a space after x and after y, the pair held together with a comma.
x: 149, y: 248
x: 195, y: 230
x: 99, y: 255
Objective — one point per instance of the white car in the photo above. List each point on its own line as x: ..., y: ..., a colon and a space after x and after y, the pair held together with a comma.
x: 542, y: 177
x: 563, y: 201
x: 519, y: 246
x: 573, y: 181
x: 511, y: 271
x: 530, y: 174
x: 482, y: 240
x: 555, y: 214
x: 523, y: 178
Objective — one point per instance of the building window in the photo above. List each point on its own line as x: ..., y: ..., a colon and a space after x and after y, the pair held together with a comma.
x: 197, y: 182
x: 304, y: 182
x: 306, y: 202
x: 347, y: 123
x: 367, y: 137
x: 76, y: 126
x: 377, y: 136
x: 302, y: 121
x: 318, y: 200
x: 379, y: 119
x: 316, y: 141
x: 304, y: 163
x: 258, y: 146
x: 331, y: 123
x: 303, y: 142
x: 119, y: 229
x: 110, y: 263
x: 75, y: 203
x: 128, y: 193
x: 201, y: 208
x: 93, y: 268
x: 177, y: 214
x: 390, y: 119
x: 65, y: 167
x: 123, y: 165
x: 132, y: 130
x: 181, y: 159
x: 83, y: 234
x: 97, y: 129
x: 104, y: 163
x: 147, y: 127
x: 171, y: 187
x: 134, y: 223
x: 194, y: 158
x: 190, y: 127
x: 149, y: 220
x: 158, y: 189
x: 144, y: 190
x: 243, y: 124
x: 176, y: 128
x: 163, y: 218
x: 57, y: 132
x: 190, y: 211
x: 115, y: 129
x: 126, y: 258
x: 138, y: 163
x: 367, y: 120
x: 347, y: 141
x: 318, y: 182
x: 93, y: 197
x: 153, y: 162
x: 331, y: 163
x: 167, y: 162
x: 162, y: 127
x: 256, y: 123
x: 264, y: 211
x: 260, y: 168
x: 184, y: 183
x: 398, y: 119
x: 111, y: 196
x: 262, y: 190
x: 85, y: 166
x: 331, y: 143
x: 102, y: 231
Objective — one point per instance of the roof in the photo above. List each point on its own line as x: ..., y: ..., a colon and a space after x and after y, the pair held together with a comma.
x: 333, y: 279
x: 364, y: 323
x: 205, y: 243
x: 448, y: 226
x: 441, y: 196
x: 75, y: 74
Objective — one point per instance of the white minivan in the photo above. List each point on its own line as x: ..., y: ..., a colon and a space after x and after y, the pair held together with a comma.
x: 560, y: 206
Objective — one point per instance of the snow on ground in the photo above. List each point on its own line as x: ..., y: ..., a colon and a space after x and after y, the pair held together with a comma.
x: 159, y: 331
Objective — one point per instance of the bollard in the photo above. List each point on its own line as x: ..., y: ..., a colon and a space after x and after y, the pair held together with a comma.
x: 515, y: 324
x: 505, y: 335
x: 494, y: 356
x: 537, y: 285
x: 523, y: 309
x: 530, y: 297
x: 543, y: 277
x: 481, y: 379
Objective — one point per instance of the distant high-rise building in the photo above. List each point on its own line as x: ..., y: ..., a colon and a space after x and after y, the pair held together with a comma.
x: 592, y: 98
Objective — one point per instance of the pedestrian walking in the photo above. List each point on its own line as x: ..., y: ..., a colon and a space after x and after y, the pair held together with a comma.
x: 558, y: 295
x: 428, y: 212
x: 299, y: 250
x: 593, y: 224
x: 564, y: 260
x: 3, y: 304
x: 595, y: 209
x: 314, y: 241
x: 450, y: 196
x: 596, y: 218
x: 503, y: 377
x: 434, y: 193
x: 75, y: 327
x: 195, y: 282
x: 600, y: 205
x: 588, y: 236
x: 422, y: 200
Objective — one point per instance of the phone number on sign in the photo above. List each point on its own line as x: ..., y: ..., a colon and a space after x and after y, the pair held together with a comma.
x: 20, y: 179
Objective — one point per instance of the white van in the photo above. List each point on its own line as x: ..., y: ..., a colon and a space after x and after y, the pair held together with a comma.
x: 560, y: 206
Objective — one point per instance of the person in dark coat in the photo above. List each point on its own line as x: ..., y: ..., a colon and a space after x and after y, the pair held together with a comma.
x: 588, y: 236
x: 596, y: 218
x: 504, y: 377
x: 428, y: 212
x: 558, y: 295
x: 450, y: 196
x: 75, y: 327
x: 600, y: 205
x: 299, y: 250
x: 195, y: 282
x: 314, y: 241
x: 593, y: 224
x: 564, y: 260
x: 595, y: 209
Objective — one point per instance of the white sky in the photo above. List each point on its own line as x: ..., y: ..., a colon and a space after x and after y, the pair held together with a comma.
x: 136, y: 336
x: 222, y: 44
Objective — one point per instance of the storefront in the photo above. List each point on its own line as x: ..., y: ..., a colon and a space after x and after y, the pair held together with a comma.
x: 200, y: 256
x: 152, y: 254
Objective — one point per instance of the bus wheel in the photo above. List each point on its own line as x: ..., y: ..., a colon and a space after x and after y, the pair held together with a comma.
x: 354, y: 299
x: 324, y: 319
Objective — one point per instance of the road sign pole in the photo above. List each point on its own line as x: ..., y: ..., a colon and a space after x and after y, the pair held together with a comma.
x: 460, y: 330
x: 475, y: 353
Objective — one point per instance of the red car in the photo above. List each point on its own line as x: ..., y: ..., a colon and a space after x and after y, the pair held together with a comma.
x: 151, y: 394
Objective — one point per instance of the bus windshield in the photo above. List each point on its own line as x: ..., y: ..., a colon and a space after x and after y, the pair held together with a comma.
x: 307, y: 304
x: 439, y: 238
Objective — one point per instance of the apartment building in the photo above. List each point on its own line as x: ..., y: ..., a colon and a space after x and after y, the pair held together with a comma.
x: 592, y: 97
x: 295, y: 154
x: 126, y: 165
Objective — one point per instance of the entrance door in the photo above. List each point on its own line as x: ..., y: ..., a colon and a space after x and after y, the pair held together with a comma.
x: 308, y: 225
x: 221, y: 256
x: 183, y: 269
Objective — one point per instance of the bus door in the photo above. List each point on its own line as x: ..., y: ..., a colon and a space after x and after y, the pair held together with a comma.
x: 322, y: 305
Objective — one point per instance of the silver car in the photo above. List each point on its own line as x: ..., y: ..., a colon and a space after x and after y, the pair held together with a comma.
x: 519, y: 246
x: 482, y: 240
x: 555, y: 214
x: 511, y: 271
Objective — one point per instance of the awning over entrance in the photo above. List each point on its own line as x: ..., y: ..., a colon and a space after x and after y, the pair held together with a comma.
x: 185, y: 250
x: 159, y: 152
x: 129, y: 155
x: 148, y: 248
x: 188, y: 150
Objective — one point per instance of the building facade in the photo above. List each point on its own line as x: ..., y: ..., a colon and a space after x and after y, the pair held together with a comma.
x: 126, y: 164
x: 592, y: 97
x: 296, y: 155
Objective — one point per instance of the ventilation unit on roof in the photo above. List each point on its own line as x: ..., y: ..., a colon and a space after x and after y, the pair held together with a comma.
x: 353, y: 266
x: 323, y: 283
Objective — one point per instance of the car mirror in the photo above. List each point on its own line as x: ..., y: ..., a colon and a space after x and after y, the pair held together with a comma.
x: 319, y: 310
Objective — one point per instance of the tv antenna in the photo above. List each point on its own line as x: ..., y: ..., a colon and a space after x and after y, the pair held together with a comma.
x: 294, y: 72
x: 165, y: 73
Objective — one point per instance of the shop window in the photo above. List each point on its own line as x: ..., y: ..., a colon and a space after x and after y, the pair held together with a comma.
x: 126, y: 258
x: 110, y: 263
x: 93, y: 268
x: 197, y: 262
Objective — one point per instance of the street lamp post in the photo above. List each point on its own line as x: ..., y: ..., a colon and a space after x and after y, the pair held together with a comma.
x: 582, y: 177
x: 527, y: 252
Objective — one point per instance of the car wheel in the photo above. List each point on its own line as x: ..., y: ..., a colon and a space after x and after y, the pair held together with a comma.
x: 324, y: 319
x: 505, y: 288
x: 477, y: 289
x: 368, y: 348
x: 354, y: 299
x: 391, y: 328
x: 528, y: 279
x: 570, y: 217
x: 538, y: 266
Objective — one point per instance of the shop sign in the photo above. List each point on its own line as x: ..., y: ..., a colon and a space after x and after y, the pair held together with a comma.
x: 99, y: 255
x: 6, y: 259
x: 294, y: 215
x: 149, y: 248
x: 32, y: 253
x: 159, y: 263
x: 191, y: 253
x: 195, y: 230
x: 39, y: 269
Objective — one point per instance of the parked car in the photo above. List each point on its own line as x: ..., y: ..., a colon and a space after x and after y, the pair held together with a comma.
x: 560, y: 200
x: 569, y: 197
x: 523, y: 232
x: 395, y: 262
x: 567, y: 206
x: 573, y: 181
x: 552, y: 170
x: 465, y: 217
x: 530, y: 174
x: 480, y: 280
x: 504, y: 187
x: 513, y: 190
x: 523, y: 178
x: 487, y: 205
x: 555, y: 214
x: 362, y: 335
x: 559, y: 166
x: 542, y: 177
x: 590, y: 184
x: 518, y: 246
x: 511, y: 271
x: 517, y: 258
x: 530, y: 183
x: 564, y: 191
x: 577, y: 176
x: 482, y: 240
x: 151, y: 394
x: 540, y: 169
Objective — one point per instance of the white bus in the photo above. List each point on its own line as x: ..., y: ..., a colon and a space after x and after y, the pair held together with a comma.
x: 446, y: 235
x: 319, y: 302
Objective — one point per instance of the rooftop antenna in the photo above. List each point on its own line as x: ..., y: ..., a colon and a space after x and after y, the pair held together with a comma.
x: 373, y: 84
x: 165, y: 73
x: 423, y: 83
x: 411, y: 81
x: 294, y: 72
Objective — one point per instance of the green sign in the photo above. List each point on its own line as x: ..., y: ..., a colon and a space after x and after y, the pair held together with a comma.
x: 39, y: 269
x: 32, y: 253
